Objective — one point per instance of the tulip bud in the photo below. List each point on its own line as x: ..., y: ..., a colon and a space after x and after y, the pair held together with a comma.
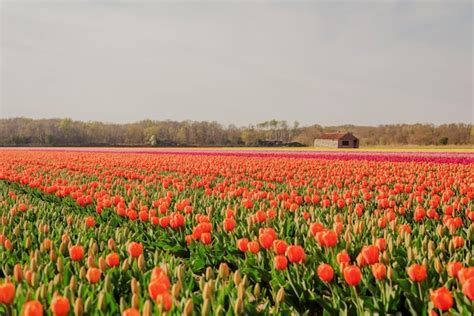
x: 256, y: 290
x: 442, y: 246
x: 102, y: 264
x: 280, y: 296
x: 205, y: 307
x: 451, y: 247
x: 223, y: 270
x: 179, y: 272
x: 207, y: 291
x: 347, y: 237
x: 28, y: 243
x: 111, y: 244
x: 43, y: 291
x: 33, y: 265
x: 425, y: 263
x: 165, y: 268
x: 125, y: 265
x: 82, y: 273
x: 237, y: 278
x: 390, y: 273
x: 201, y: 283
x: 135, y: 301
x: 188, y: 307
x: 34, y: 279
x: 390, y: 245
x: 238, y: 306
x: 78, y: 307
x: 101, y: 301
x: 440, y: 230
x: 141, y: 263
x: 147, y: 308
x: 244, y: 280
x: 52, y: 256
x: 73, y: 284
x: 438, y: 266
x: 208, y: 273
x: 134, y: 286
x: 407, y: 239
x: 63, y: 247
x: 18, y: 273
x: 176, y: 288
x: 16, y: 230
x: 410, y: 254
x: 90, y: 261
x: 58, y: 279
x: 241, y: 291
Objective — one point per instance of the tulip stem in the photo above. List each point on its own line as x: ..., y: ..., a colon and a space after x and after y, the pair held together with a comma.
x: 420, y: 292
x: 360, y: 310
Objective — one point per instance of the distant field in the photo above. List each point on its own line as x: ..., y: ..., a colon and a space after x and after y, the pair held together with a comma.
x: 408, y: 148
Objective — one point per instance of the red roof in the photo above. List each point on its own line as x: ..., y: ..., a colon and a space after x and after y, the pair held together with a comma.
x: 332, y: 136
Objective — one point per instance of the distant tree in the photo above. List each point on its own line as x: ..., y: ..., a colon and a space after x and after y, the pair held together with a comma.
x: 443, y: 141
x: 153, y: 141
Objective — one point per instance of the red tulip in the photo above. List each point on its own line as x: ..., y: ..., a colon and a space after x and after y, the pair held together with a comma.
x: 242, y: 244
x: 352, y: 275
x: 112, y: 259
x: 295, y: 254
x: 379, y: 271
x: 135, y: 249
x: 370, y: 254
x: 253, y: 247
x: 32, y: 308
x: 453, y: 268
x: 416, y: 272
x: 76, y: 253
x: 60, y: 306
x: 442, y: 298
x: 7, y: 293
x: 468, y: 288
x: 325, y: 272
x: 93, y: 275
x: 280, y: 262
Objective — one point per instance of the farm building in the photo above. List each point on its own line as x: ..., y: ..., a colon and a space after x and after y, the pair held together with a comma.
x: 337, y: 140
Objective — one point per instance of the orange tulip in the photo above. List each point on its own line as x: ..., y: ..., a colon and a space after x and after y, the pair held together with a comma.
x: 417, y: 272
x: 325, y: 272
x: 379, y: 271
x: 112, y: 259
x: 135, y: 249
x: 7, y: 293
x: 468, y: 288
x: 442, y: 299
x: 93, y: 275
x: 76, y: 253
x: 32, y: 308
x: 60, y: 306
x: 352, y: 275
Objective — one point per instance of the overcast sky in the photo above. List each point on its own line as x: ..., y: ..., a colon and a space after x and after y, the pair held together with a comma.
x: 360, y: 62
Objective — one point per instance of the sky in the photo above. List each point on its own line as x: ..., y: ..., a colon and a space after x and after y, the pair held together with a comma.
x: 240, y: 62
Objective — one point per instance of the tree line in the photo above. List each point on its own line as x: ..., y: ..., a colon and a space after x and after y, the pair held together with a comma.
x: 67, y: 132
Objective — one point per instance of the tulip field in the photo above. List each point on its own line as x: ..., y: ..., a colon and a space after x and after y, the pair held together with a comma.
x: 229, y: 232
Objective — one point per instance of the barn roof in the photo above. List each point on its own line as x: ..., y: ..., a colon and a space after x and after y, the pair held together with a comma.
x: 333, y: 136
